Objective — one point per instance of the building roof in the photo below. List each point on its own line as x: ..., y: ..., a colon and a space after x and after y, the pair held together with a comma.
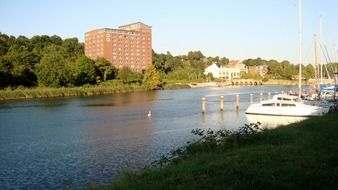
x: 233, y: 63
x: 123, y: 28
x: 138, y: 24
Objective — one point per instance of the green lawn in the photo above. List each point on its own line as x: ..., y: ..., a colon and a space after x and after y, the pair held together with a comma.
x: 299, y: 156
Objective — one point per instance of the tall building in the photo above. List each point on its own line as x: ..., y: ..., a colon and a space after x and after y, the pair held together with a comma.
x: 129, y: 45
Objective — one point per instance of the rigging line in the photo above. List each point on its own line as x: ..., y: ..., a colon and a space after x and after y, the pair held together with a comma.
x: 326, y: 60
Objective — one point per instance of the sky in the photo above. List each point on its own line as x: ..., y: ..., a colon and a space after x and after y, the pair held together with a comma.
x: 236, y: 29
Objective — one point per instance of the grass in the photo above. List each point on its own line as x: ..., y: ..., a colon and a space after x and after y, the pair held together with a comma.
x: 108, y: 87
x: 41, y: 92
x: 298, y: 156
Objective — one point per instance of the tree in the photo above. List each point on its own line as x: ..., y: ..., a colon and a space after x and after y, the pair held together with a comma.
x: 22, y: 64
x: 85, y: 71
x: 4, y: 45
x: 53, y: 69
x: 127, y: 75
x: 195, y: 55
x: 307, y: 72
x: 105, y: 70
x: 73, y: 48
x: 151, y: 79
x: 5, y: 75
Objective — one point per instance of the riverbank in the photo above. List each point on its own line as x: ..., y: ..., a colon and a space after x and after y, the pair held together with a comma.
x: 298, y: 156
x: 112, y: 87
x: 30, y: 93
x: 248, y: 82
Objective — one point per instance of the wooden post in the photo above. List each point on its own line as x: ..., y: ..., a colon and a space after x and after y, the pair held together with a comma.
x: 203, y: 105
x: 269, y: 95
x: 251, y: 98
x: 261, y: 97
x: 237, y: 101
x: 222, y: 103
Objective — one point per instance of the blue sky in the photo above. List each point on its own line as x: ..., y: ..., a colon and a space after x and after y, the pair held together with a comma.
x: 237, y: 29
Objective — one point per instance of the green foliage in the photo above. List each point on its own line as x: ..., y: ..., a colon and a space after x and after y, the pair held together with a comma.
x: 195, y: 55
x: 85, y: 71
x: 281, y: 70
x: 53, y: 69
x: 73, y: 48
x: 209, y: 141
x: 166, y: 63
x: 105, y: 70
x: 188, y: 67
x: 128, y: 76
x: 109, y: 87
x: 20, y: 56
x: 151, y: 79
x: 251, y: 76
x: 308, y: 72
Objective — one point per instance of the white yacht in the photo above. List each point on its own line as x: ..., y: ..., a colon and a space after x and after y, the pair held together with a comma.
x: 286, y: 105
x: 272, y: 121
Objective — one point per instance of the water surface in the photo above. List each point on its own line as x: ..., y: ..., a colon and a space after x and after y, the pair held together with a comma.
x: 70, y: 142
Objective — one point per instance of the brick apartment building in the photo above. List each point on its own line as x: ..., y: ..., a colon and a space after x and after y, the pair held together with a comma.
x: 129, y: 45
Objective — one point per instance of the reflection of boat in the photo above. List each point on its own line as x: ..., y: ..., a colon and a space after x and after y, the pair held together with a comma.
x: 285, y: 105
x: 270, y: 121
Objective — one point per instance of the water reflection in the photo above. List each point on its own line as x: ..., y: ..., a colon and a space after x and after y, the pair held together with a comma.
x: 203, y: 121
x: 269, y: 121
x: 222, y: 117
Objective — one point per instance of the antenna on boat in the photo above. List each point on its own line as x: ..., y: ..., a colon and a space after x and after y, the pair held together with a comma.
x: 300, y: 50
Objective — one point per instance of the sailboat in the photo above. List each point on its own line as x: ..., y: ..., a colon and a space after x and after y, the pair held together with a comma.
x: 287, y: 105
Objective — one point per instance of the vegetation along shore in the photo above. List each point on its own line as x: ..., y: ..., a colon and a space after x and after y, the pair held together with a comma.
x: 297, y: 156
x: 49, y: 66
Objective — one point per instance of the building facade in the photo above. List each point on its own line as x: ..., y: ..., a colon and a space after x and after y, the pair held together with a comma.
x: 130, y: 45
x: 238, y: 64
x: 223, y: 72
x: 261, y: 70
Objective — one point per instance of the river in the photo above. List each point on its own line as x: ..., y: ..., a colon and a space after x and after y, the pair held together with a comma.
x: 71, y: 142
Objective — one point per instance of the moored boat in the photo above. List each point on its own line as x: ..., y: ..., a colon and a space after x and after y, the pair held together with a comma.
x: 286, y: 105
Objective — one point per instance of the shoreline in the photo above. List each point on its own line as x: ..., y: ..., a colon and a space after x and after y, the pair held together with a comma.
x: 47, y: 92
x: 248, y: 82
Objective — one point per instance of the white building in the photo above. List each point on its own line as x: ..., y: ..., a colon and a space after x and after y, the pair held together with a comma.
x: 219, y: 71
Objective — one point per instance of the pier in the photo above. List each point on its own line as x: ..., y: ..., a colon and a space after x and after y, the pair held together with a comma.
x: 235, y: 99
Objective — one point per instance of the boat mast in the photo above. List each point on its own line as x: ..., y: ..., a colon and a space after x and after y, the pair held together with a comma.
x: 321, y: 43
x: 316, y: 59
x: 300, y: 50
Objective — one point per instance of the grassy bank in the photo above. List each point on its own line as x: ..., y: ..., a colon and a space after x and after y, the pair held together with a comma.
x: 109, y: 87
x: 299, y: 156
x: 39, y: 92
x: 175, y: 84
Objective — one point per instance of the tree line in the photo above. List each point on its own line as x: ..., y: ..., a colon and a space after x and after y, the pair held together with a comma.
x: 288, y: 71
x: 56, y: 62
x: 282, y: 70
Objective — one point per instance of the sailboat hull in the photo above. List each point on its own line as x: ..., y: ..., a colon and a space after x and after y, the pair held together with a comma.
x: 300, y: 110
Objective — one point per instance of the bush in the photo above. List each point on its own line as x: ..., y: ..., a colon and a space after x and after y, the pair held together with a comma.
x: 210, y: 140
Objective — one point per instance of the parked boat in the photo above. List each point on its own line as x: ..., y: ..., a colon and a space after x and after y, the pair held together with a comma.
x: 286, y: 105
x: 271, y: 121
